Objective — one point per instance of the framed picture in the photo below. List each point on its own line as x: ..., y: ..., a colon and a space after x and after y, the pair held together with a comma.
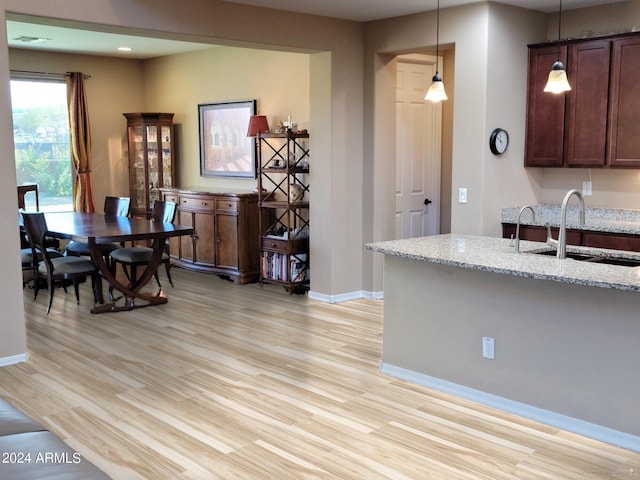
x: 225, y: 149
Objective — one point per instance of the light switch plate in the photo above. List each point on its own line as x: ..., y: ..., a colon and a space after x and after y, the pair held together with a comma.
x: 586, y: 188
x: 462, y: 195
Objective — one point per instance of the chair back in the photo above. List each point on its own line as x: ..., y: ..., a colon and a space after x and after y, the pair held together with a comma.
x: 23, y: 190
x: 164, y: 212
x: 117, y: 206
x: 35, y: 226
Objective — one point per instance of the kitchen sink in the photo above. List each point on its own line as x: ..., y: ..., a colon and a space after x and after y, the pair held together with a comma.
x: 585, y: 257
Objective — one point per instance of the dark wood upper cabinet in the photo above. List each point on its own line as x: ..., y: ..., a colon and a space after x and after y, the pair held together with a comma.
x: 545, y: 111
x: 595, y: 124
x: 624, y: 111
x: 586, y: 115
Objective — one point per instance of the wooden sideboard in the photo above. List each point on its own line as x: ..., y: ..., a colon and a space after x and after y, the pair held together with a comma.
x: 226, y: 238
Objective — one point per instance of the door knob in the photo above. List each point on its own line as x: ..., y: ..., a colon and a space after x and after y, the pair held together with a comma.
x: 427, y: 201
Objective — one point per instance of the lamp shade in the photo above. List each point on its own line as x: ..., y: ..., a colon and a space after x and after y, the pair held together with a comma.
x: 557, y: 81
x: 257, y: 124
x: 436, y: 91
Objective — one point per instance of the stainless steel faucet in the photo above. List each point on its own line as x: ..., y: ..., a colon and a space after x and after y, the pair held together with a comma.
x: 516, y: 243
x: 562, y: 235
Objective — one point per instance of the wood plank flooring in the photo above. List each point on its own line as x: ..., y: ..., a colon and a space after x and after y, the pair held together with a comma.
x: 247, y: 382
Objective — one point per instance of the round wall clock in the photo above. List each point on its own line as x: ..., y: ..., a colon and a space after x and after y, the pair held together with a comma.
x: 499, y: 141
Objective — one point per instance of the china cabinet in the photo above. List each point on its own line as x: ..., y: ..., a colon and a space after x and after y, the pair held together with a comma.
x: 151, y: 158
x: 283, y: 186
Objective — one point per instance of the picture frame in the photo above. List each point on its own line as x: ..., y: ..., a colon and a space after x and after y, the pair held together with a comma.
x: 225, y: 149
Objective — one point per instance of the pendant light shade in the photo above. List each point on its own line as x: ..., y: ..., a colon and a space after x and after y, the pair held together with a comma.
x: 436, y: 91
x: 557, y: 81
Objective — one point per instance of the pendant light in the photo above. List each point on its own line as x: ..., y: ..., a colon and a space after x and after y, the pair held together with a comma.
x: 436, y: 91
x: 557, y: 82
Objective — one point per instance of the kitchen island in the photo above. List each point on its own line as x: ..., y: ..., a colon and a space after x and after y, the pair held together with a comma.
x: 567, y: 332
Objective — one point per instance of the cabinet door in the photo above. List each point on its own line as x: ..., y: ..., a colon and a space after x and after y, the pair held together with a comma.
x: 545, y: 111
x: 226, y: 241
x: 138, y: 184
x: 185, y: 252
x: 205, y: 238
x: 624, y: 114
x: 586, y: 116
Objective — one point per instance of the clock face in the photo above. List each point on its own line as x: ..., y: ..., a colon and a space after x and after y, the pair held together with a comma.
x: 499, y: 141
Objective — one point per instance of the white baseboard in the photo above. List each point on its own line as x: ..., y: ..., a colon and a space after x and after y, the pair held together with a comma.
x: 570, y: 424
x: 13, y: 359
x: 345, y: 297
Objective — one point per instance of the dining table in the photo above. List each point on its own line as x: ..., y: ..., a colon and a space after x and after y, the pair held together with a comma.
x: 96, y: 229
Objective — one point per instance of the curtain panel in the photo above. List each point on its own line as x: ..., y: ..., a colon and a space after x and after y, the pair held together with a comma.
x: 80, y: 143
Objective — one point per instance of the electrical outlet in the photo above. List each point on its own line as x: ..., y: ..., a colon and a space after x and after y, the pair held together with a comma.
x: 586, y: 188
x: 488, y: 348
x: 462, y: 195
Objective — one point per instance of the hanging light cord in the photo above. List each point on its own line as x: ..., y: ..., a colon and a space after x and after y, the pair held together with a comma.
x: 559, y: 26
x: 438, y: 35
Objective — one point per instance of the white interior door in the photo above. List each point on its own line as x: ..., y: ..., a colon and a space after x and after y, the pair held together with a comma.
x: 418, y: 139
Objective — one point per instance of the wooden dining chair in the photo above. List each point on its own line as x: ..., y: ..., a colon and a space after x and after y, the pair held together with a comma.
x: 57, y: 269
x: 113, y: 207
x: 132, y: 257
x: 23, y: 190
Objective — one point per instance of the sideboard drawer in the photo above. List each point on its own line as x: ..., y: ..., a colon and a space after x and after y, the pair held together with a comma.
x: 196, y: 203
x: 226, y: 204
x: 283, y: 246
x: 171, y: 198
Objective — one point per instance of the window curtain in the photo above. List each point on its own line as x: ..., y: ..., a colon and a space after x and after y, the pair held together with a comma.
x: 80, y: 143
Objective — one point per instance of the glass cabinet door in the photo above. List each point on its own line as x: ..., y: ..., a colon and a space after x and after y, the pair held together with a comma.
x: 167, y: 167
x: 152, y: 158
x: 138, y: 173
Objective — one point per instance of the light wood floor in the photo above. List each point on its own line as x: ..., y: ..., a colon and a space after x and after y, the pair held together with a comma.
x: 247, y: 382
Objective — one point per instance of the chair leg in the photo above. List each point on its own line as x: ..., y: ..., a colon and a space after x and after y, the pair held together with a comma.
x: 52, y: 287
x: 76, y: 290
x: 36, y: 285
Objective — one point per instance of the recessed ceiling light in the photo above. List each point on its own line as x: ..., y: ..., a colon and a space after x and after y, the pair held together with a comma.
x: 125, y: 49
x: 29, y: 39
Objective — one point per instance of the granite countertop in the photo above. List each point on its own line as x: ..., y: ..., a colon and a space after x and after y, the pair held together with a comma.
x: 596, y: 219
x: 497, y: 255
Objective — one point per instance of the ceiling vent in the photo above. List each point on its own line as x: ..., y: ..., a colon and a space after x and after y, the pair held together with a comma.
x: 29, y: 39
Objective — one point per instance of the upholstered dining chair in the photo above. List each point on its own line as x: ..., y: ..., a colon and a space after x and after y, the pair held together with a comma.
x: 113, y: 207
x: 133, y: 257
x: 57, y: 269
x: 26, y: 255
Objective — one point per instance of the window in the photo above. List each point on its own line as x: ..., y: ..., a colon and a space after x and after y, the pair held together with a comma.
x: 41, y: 138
